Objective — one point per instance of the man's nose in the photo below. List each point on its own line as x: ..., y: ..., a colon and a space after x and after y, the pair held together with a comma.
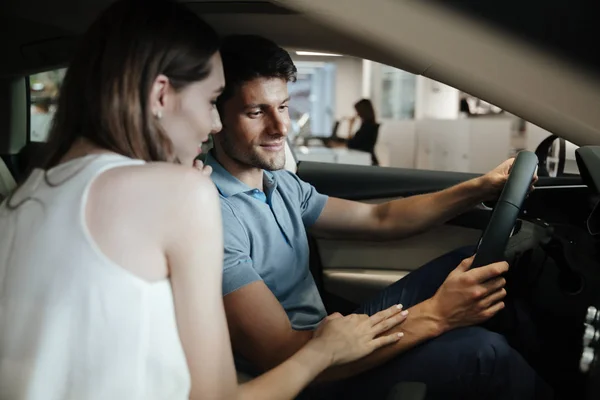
x: 217, y: 126
x: 279, y: 124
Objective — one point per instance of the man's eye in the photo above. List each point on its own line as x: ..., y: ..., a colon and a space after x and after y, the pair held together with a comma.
x: 255, y: 114
x: 282, y: 108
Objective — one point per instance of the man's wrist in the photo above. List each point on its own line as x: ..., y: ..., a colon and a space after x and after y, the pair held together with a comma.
x: 439, y: 323
x: 481, y: 189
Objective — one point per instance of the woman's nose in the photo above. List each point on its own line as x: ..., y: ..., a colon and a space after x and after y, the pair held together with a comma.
x: 217, y: 126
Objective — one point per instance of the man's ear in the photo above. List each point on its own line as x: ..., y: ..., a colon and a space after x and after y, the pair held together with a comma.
x: 158, y: 95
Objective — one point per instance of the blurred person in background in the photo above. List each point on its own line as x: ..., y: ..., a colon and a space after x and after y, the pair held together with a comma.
x: 365, y: 137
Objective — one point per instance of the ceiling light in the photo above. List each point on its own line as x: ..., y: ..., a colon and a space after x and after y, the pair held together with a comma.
x: 315, y: 53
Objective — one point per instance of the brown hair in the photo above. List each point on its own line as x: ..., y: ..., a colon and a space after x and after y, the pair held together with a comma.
x: 104, y: 97
x: 365, y: 110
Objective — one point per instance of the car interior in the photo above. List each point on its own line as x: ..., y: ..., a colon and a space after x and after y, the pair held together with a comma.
x: 523, y: 65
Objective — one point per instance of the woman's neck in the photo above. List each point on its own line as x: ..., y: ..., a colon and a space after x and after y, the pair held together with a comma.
x: 81, y: 148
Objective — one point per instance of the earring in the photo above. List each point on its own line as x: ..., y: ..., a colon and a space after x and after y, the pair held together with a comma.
x: 159, y: 114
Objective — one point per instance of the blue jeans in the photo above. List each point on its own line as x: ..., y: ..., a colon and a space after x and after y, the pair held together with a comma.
x: 466, y: 363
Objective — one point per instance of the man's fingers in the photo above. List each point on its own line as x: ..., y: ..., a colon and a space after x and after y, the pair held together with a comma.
x: 492, y: 299
x: 493, y: 310
x: 385, y: 314
x: 494, y: 285
x: 488, y: 272
x: 466, y: 264
x: 386, y: 340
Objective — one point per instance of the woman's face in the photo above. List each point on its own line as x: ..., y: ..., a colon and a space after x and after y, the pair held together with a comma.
x: 189, y: 115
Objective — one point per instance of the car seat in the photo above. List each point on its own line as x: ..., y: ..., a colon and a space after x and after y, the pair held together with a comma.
x: 7, y: 181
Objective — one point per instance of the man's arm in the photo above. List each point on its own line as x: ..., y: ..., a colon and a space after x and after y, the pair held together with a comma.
x: 261, y: 332
x: 259, y: 326
x: 396, y: 219
x: 407, y: 216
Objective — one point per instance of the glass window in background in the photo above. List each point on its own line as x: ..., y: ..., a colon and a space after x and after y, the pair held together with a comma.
x: 312, y: 101
x: 398, y: 90
x: 43, y: 93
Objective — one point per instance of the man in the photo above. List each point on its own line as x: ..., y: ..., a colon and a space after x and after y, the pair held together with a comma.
x: 271, y: 300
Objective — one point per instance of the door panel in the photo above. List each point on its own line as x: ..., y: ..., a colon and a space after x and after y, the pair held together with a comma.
x: 404, y: 255
x: 356, y: 270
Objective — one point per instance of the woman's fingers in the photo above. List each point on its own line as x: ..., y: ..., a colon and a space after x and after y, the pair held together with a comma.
x: 385, y: 314
x: 390, y: 323
x: 206, y: 170
x: 386, y: 340
x: 335, y: 315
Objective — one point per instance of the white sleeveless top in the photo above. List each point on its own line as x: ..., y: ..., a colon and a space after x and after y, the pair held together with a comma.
x: 73, y: 324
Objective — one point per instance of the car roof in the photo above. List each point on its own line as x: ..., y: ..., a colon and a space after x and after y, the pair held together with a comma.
x: 551, y: 89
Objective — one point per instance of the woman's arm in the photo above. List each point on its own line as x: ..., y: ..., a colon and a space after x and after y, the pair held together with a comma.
x: 194, y: 250
x: 338, y: 340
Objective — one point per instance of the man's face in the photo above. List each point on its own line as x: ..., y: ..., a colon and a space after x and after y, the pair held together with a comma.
x: 255, y: 124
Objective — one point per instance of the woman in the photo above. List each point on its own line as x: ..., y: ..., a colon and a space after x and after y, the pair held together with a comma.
x: 366, y: 137
x: 111, y: 254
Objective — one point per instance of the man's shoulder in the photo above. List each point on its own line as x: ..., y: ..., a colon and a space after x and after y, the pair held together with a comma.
x: 287, y: 179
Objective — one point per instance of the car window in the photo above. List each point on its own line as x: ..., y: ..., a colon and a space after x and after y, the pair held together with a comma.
x: 43, y: 95
x: 423, y: 124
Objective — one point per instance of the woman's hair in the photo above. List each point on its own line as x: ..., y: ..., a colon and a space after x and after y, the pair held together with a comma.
x: 105, y: 93
x: 365, y: 110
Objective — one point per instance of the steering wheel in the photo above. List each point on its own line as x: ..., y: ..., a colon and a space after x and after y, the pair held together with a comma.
x: 493, y: 242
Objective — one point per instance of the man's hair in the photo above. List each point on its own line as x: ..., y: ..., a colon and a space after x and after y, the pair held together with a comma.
x: 247, y: 57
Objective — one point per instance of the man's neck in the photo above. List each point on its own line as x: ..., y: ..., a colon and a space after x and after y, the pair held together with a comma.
x: 251, y: 176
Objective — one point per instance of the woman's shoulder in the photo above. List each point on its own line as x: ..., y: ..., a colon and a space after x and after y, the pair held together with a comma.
x: 155, y: 184
x: 159, y: 175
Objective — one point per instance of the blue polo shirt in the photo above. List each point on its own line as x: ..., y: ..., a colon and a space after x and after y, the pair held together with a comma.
x: 265, y: 239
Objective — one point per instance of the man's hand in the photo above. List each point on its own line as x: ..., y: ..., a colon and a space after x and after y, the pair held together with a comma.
x: 204, y: 169
x: 493, y: 182
x: 470, y: 296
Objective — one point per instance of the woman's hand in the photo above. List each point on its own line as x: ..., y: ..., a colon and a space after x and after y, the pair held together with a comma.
x: 357, y: 335
x: 204, y: 169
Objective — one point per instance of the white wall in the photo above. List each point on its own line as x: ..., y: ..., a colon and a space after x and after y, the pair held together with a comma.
x: 435, y: 100
x: 348, y: 86
x: 464, y: 145
x: 396, y: 143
